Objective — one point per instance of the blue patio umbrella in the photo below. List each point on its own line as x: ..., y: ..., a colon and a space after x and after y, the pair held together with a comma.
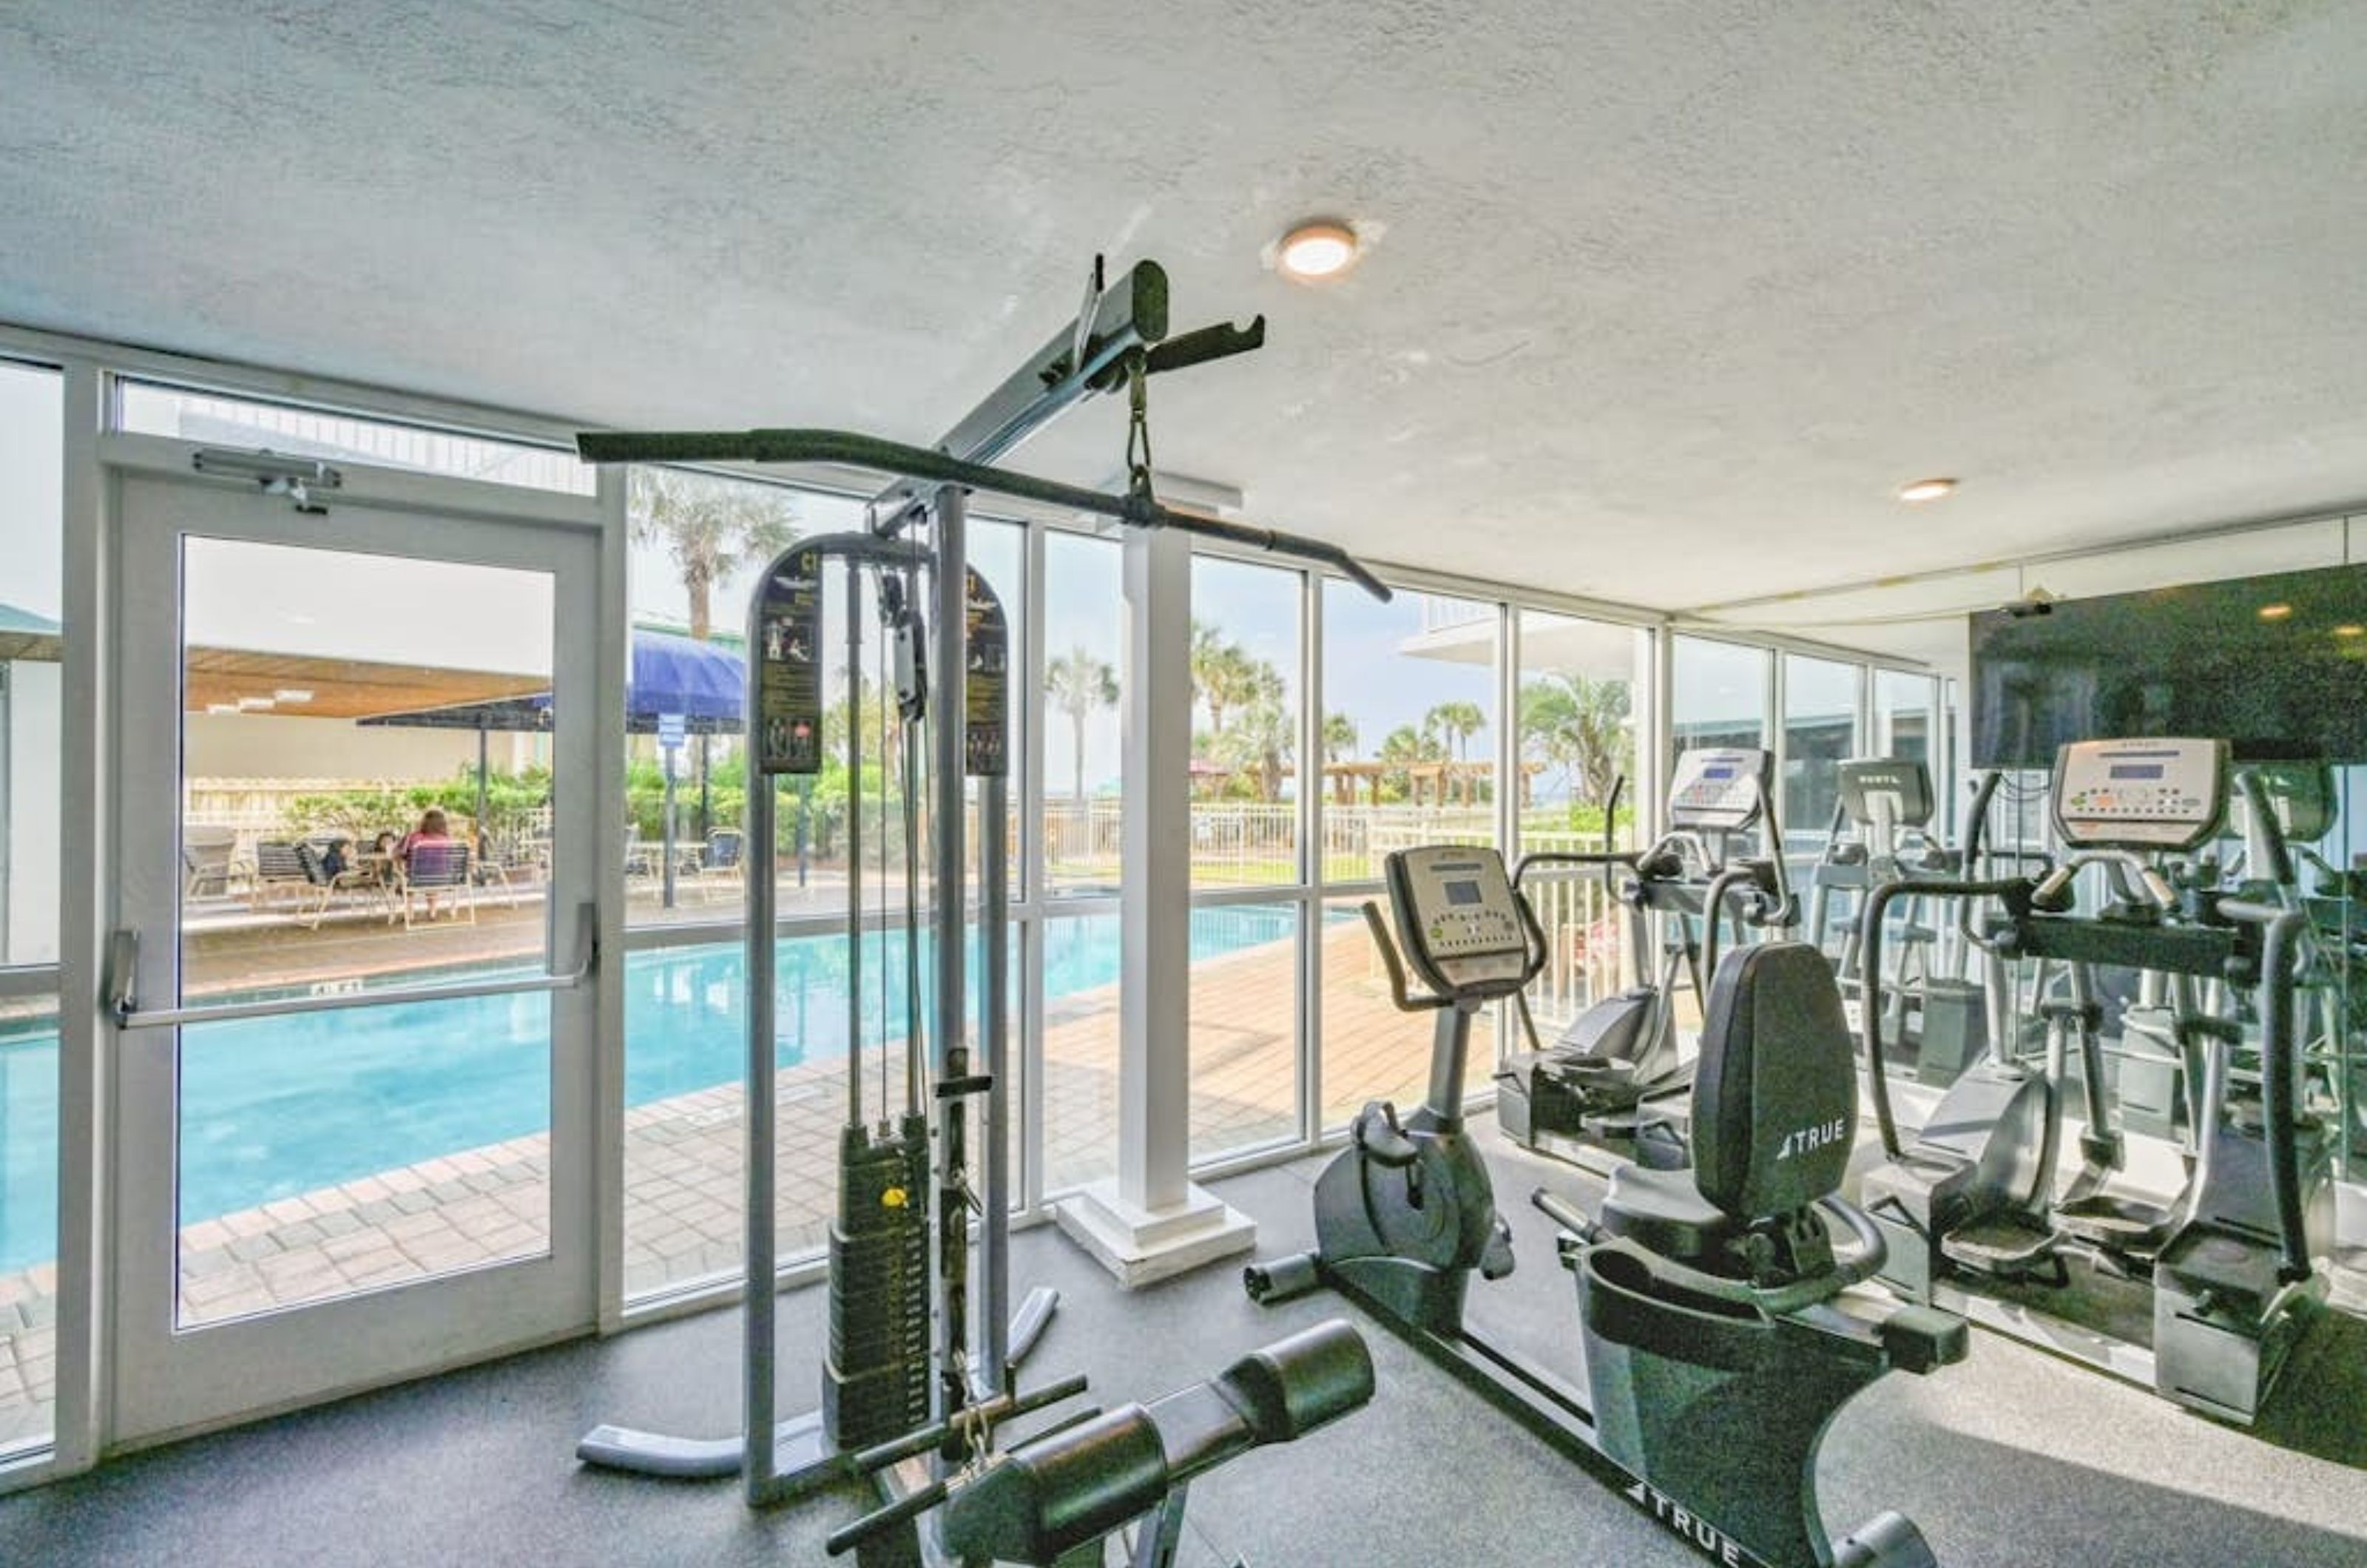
x: 669, y: 673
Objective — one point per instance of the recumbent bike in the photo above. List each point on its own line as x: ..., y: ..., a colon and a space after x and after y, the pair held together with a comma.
x: 1719, y: 1346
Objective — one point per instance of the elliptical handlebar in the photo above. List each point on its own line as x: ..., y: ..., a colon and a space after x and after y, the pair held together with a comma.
x: 1870, y: 924
x: 2266, y: 833
x: 2280, y: 1072
x: 1629, y: 858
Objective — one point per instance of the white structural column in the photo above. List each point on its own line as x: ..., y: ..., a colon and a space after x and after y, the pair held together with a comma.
x: 1150, y: 1221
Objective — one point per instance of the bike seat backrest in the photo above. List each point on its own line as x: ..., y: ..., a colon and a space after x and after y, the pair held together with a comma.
x: 1775, y: 1088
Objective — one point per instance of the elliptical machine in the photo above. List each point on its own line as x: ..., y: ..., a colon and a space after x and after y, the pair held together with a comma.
x: 1614, y: 1078
x: 1717, y: 1354
x: 1973, y: 1199
x: 1881, y: 833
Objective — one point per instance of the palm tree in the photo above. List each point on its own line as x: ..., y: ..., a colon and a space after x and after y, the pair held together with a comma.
x: 1338, y: 737
x: 712, y: 527
x: 1582, y: 724
x: 1260, y: 742
x: 1208, y: 650
x: 1077, y: 683
x: 1235, y: 680
x: 1403, y: 745
x: 1457, y: 721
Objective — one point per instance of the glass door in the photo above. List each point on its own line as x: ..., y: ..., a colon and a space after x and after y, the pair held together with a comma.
x: 351, y: 980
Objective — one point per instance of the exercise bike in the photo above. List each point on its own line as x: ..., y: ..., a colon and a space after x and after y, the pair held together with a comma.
x: 1716, y: 1349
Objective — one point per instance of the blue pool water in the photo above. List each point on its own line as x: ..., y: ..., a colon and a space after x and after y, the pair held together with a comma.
x: 272, y: 1107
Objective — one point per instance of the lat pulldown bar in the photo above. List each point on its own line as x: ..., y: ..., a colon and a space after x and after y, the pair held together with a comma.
x: 920, y: 463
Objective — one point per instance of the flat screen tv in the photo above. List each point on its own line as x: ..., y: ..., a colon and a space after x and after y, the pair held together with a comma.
x: 2276, y: 665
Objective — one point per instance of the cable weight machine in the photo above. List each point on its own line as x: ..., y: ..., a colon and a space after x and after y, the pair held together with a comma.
x: 922, y: 1370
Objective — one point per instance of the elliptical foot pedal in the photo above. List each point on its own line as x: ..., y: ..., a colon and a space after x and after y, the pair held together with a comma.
x: 2005, y: 1246
x: 2123, y: 1226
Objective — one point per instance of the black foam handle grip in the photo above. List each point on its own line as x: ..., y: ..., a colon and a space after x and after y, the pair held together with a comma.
x: 1294, y: 1385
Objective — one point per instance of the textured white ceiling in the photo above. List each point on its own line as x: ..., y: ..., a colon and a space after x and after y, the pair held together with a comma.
x: 1661, y: 302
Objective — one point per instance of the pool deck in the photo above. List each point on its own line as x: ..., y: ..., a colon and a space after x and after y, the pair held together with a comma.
x: 682, y: 1156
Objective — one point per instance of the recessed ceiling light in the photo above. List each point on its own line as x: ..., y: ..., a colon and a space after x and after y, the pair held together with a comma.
x: 291, y: 694
x: 2349, y: 630
x: 1316, y: 250
x: 1926, y: 490
x: 2275, y: 612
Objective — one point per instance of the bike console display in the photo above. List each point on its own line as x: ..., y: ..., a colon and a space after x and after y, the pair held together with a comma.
x: 2140, y: 795
x: 1459, y: 920
x: 1719, y: 788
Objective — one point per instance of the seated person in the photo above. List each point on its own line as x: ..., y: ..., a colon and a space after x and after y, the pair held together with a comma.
x: 432, y: 829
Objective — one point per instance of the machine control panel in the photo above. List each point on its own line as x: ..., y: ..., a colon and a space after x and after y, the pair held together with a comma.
x: 1904, y: 782
x: 2140, y: 795
x: 1457, y: 916
x: 1720, y: 789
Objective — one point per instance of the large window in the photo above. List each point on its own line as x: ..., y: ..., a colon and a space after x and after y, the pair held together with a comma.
x: 1081, y: 1046
x: 1245, y: 789
x: 1084, y: 661
x: 1409, y: 704
x: 1820, y: 703
x: 1902, y: 716
x: 698, y: 543
x: 1244, y: 1027
x: 1581, y: 694
x: 32, y: 827
x: 1721, y: 694
x: 1245, y: 724
x: 1410, y: 715
x: 28, y: 1218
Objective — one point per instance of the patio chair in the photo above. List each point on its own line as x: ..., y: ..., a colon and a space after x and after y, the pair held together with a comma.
x: 278, y: 871
x: 719, y: 869
x: 206, y: 864
x: 640, y: 859
x: 494, y: 869
x: 439, y: 867
x: 323, y: 884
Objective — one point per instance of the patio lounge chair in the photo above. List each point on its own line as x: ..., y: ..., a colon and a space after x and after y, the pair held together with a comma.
x: 439, y: 868
x: 207, y: 865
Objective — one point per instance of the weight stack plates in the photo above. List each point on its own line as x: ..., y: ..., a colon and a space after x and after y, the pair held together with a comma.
x: 876, y: 1379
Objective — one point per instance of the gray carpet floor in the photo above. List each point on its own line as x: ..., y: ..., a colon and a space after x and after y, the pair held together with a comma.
x: 2012, y: 1458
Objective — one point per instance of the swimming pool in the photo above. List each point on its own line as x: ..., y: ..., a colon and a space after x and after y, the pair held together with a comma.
x: 273, y: 1107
